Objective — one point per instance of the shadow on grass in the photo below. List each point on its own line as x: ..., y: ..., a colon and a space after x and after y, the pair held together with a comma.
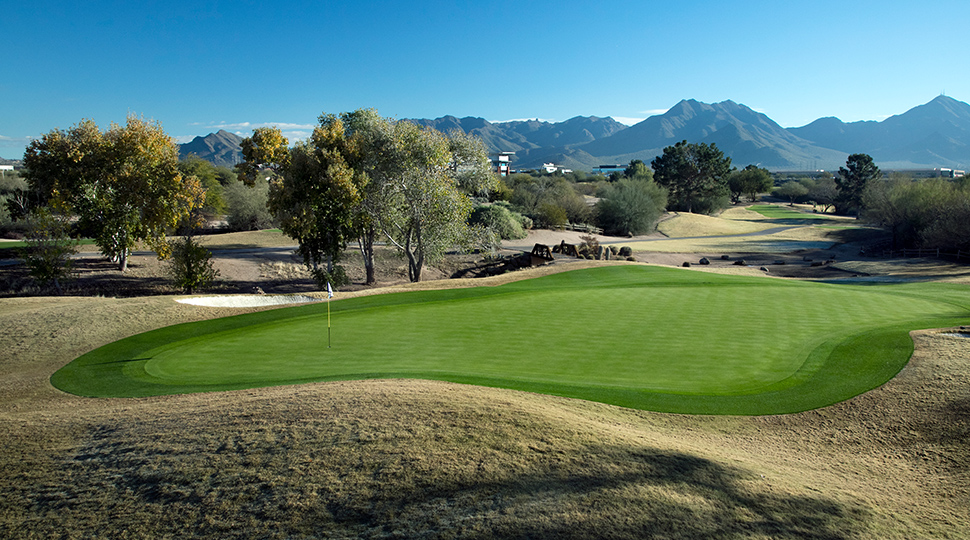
x: 233, y: 490
x: 641, y: 494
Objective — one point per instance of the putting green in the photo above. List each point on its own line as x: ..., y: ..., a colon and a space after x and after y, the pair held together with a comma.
x: 645, y: 337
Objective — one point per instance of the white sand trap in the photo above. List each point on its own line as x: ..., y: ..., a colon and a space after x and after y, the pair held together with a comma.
x: 249, y: 300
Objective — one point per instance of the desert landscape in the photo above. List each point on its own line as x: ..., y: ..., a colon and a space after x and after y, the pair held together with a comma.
x: 428, y: 459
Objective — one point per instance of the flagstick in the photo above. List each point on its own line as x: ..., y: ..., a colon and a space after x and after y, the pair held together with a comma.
x: 329, y: 296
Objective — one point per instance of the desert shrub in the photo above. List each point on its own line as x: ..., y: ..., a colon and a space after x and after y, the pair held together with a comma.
x: 49, y: 248
x: 552, y: 216
x: 588, y: 246
x: 499, y: 218
x: 190, y: 265
x: 626, y: 251
x: 246, y: 207
x: 630, y: 207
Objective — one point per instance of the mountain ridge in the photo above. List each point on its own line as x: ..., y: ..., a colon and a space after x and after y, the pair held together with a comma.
x: 935, y: 134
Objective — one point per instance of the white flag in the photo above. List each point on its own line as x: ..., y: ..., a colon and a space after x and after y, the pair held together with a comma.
x: 329, y: 291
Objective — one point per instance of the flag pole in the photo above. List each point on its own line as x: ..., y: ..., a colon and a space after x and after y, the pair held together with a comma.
x: 329, y: 296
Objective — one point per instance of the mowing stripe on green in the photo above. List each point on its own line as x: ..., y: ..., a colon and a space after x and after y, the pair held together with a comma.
x: 645, y: 337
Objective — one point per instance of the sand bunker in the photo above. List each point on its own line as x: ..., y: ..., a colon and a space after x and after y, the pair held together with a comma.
x: 248, y: 300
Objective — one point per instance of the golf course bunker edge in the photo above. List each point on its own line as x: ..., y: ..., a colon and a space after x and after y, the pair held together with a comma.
x: 248, y: 300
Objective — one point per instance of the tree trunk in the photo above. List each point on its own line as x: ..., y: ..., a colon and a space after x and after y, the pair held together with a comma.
x: 366, y: 242
x: 415, y: 257
x: 123, y: 260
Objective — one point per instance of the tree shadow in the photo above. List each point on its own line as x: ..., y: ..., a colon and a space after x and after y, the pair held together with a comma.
x: 638, y: 493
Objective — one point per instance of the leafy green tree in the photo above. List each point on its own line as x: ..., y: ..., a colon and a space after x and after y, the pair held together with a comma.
x: 790, y: 190
x: 429, y: 200
x: 190, y: 265
x: 313, y: 192
x: 207, y: 174
x: 630, y: 207
x: 266, y: 149
x: 638, y: 170
x: 749, y: 181
x: 695, y: 174
x: 124, y: 183
x: 821, y: 190
x: 905, y: 207
x: 246, y: 206
x: 49, y: 247
x: 950, y: 228
x: 852, y: 180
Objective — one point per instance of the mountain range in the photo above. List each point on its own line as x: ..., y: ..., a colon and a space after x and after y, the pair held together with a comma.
x: 933, y: 135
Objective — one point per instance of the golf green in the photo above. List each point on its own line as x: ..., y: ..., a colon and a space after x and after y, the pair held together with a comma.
x: 651, y: 338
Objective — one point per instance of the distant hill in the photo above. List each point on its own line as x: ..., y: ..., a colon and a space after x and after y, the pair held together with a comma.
x: 220, y: 149
x: 936, y: 134
x: 748, y: 137
x: 523, y: 135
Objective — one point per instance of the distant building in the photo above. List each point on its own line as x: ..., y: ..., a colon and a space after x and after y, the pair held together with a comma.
x: 607, y: 170
x: 501, y: 162
x: 552, y: 167
x: 950, y: 173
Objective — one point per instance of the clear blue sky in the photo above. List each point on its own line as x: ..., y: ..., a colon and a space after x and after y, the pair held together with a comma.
x: 204, y: 65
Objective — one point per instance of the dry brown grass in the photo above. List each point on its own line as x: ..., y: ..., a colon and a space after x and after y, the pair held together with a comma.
x: 389, y: 458
x: 733, y: 221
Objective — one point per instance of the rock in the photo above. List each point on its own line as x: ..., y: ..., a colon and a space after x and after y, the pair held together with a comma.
x: 257, y: 290
x: 686, y: 264
x: 705, y: 261
x: 764, y: 269
x: 739, y: 262
x: 725, y: 258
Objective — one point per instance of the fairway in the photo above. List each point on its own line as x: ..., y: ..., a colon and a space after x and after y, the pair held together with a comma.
x: 651, y: 338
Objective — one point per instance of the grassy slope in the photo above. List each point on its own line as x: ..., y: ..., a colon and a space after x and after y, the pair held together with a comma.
x: 791, y: 346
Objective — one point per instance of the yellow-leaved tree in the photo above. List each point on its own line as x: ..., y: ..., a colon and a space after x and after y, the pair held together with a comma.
x: 123, y: 184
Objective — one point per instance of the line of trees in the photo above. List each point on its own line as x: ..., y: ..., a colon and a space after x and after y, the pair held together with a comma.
x: 364, y: 177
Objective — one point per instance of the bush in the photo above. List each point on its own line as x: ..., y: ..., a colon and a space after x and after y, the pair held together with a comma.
x: 499, y: 218
x: 336, y: 277
x: 552, y: 216
x: 190, y: 265
x: 626, y: 251
x: 246, y: 207
x: 49, y: 248
x: 630, y: 207
x: 588, y: 246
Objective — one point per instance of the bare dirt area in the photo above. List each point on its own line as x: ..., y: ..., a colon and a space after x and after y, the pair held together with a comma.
x: 422, y: 459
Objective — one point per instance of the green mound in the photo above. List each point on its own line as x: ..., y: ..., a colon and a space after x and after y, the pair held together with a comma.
x: 644, y: 337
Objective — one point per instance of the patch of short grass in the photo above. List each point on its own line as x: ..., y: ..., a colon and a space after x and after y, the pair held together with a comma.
x: 642, y: 337
x: 773, y: 211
